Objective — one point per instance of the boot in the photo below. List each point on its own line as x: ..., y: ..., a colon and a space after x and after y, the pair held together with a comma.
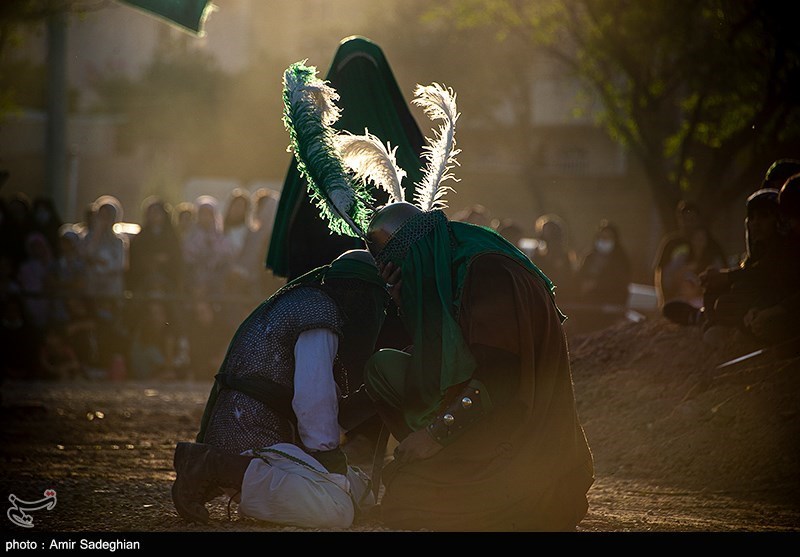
x: 202, y: 470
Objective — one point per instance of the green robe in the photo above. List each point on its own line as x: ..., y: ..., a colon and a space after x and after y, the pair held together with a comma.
x: 527, y: 465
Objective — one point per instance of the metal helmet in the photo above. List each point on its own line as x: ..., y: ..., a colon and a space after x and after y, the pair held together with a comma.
x: 362, y: 255
x: 386, y: 222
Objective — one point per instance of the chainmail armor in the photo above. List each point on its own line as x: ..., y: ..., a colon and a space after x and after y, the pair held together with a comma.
x: 414, y: 228
x: 264, y: 345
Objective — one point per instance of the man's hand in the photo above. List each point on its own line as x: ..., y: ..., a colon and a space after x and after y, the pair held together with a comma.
x: 391, y: 274
x: 417, y: 446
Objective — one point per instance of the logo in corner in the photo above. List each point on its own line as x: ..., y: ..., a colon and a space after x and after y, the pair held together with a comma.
x: 17, y: 511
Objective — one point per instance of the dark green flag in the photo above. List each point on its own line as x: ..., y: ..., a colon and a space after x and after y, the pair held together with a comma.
x: 188, y: 14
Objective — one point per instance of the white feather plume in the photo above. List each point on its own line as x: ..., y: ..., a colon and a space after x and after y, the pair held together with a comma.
x: 322, y: 97
x: 438, y: 103
x: 369, y: 159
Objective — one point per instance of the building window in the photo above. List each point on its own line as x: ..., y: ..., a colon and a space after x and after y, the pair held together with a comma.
x: 571, y: 160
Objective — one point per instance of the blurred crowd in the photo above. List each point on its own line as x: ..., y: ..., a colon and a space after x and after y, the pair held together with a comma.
x: 592, y: 285
x: 106, y: 298
x: 757, y: 298
x: 752, y: 293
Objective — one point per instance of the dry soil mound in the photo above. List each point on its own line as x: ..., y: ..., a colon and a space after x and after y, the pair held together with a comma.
x: 655, y: 405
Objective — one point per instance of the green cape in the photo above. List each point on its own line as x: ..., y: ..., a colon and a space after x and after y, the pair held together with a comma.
x: 434, y: 269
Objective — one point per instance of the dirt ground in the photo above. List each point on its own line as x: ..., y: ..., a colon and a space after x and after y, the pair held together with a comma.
x: 679, y: 445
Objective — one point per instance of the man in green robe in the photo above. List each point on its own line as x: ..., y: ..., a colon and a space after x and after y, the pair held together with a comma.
x: 483, y: 402
x: 483, y: 405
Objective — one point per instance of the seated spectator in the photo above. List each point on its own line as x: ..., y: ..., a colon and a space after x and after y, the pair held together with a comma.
x: 38, y: 277
x: 729, y: 293
x: 153, y: 344
x: 155, y: 252
x: 732, y: 293
x: 683, y: 255
x: 105, y: 251
x: 46, y: 221
x: 236, y: 226
x: 70, y: 273
x: 57, y: 359
x: 779, y: 323
x: 554, y: 256
x: 238, y: 275
x: 206, y: 251
x: 602, y: 280
x: 106, y: 254
x: 70, y: 266
x: 758, y: 299
x: 113, y: 333
x: 80, y: 331
x: 262, y: 282
x: 185, y: 215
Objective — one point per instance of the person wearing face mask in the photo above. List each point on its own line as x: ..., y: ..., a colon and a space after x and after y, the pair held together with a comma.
x: 602, y: 282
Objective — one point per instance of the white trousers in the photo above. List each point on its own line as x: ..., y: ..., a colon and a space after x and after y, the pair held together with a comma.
x: 288, y: 486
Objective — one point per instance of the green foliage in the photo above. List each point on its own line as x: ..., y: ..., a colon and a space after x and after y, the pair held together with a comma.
x: 22, y: 83
x: 688, y: 85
